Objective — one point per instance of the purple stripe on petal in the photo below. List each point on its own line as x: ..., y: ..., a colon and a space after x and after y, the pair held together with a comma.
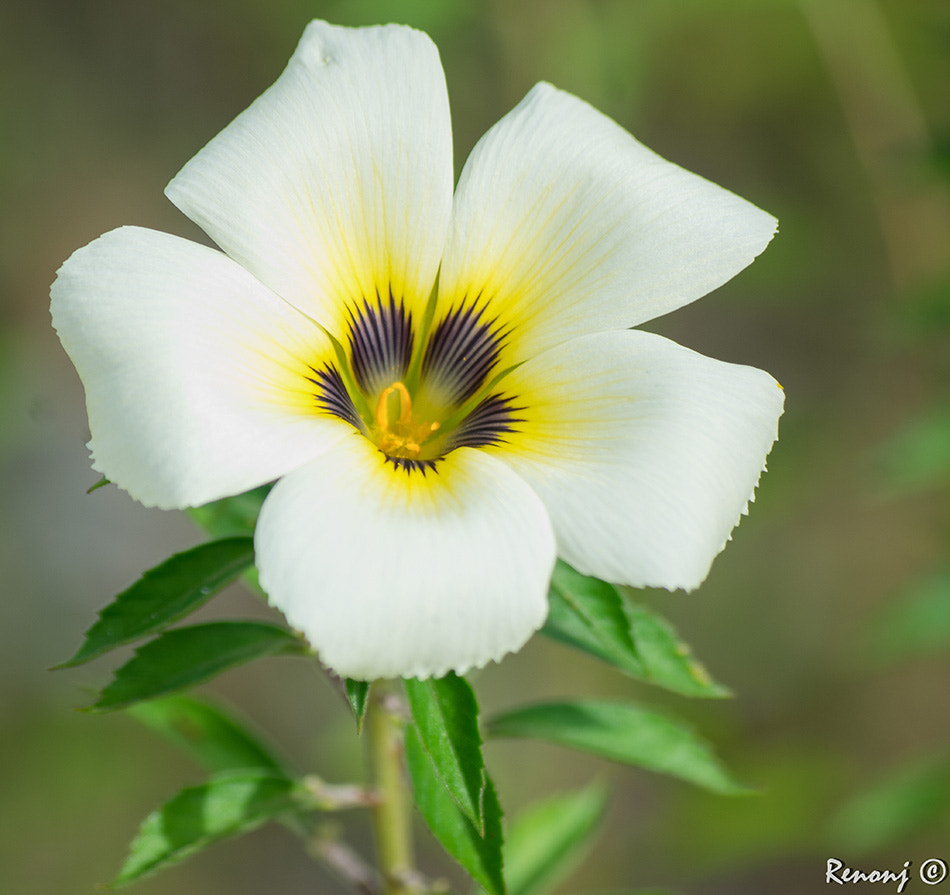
x: 381, y: 340
x: 487, y: 424
x: 462, y: 351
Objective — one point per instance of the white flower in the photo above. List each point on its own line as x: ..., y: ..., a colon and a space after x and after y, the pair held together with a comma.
x: 445, y: 386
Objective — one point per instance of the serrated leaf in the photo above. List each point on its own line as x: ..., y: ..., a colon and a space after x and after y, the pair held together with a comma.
x: 547, y: 839
x: 166, y: 594
x: 624, y: 733
x: 445, y: 713
x: 184, y: 657
x: 592, y: 615
x: 668, y: 662
x: 205, y: 731
x: 231, y: 516
x: 587, y: 613
x: 479, y: 853
x: 227, y: 805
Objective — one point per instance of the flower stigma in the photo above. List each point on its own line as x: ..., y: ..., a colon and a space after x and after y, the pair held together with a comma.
x: 396, y: 434
x: 418, y: 396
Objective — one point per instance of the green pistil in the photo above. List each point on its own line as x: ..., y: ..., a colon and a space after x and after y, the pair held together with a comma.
x: 455, y: 418
x: 360, y: 401
x: 414, y: 371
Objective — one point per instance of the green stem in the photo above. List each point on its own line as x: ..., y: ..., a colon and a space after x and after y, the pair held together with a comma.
x: 392, y: 814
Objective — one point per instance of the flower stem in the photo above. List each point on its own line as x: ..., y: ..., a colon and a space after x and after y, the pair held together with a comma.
x: 392, y: 813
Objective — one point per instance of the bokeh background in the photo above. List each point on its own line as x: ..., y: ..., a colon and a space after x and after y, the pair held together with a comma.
x: 829, y: 614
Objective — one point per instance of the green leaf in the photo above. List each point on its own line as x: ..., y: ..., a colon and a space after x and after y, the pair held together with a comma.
x: 357, y: 692
x: 227, y: 805
x: 446, y: 717
x: 592, y: 615
x: 546, y: 841
x: 100, y: 484
x: 209, y: 734
x: 588, y: 614
x: 624, y: 733
x: 669, y: 663
x: 231, y: 516
x: 479, y: 853
x: 184, y: 657
x: 165, y: 594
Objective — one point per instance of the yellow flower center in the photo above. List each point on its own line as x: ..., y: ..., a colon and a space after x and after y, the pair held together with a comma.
x: 396, y: 433
x: 420, y: 394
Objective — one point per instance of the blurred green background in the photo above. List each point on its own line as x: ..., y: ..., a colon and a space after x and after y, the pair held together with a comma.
x: 829, y: 614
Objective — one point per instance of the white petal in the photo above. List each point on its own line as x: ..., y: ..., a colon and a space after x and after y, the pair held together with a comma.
x: 337, y: 181
x: 569, y: 225
x: 645, y: 453
x: 195, y: 373
x: 396, y: 574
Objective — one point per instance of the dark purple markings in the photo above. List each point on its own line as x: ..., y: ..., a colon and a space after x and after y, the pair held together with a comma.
x: 381, y: 339
x: 332, y: 396
x: 410, y: 465
x: 462, y: 351
x: 487, y: 424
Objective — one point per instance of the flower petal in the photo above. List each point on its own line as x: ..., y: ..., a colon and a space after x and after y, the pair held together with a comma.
x: 392, y: 573
x: 337, y: 181
x: 195, y: 374
x: 645, y: 453
x: 568, y: 225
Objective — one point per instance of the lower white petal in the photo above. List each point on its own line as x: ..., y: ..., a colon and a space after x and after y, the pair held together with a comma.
x: 195, y: 373
x: 392, y: 573
x: 645, y: 453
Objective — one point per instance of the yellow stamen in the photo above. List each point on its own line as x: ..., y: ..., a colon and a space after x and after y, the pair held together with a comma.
x: 396, y: 432
x: 382, y: 406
